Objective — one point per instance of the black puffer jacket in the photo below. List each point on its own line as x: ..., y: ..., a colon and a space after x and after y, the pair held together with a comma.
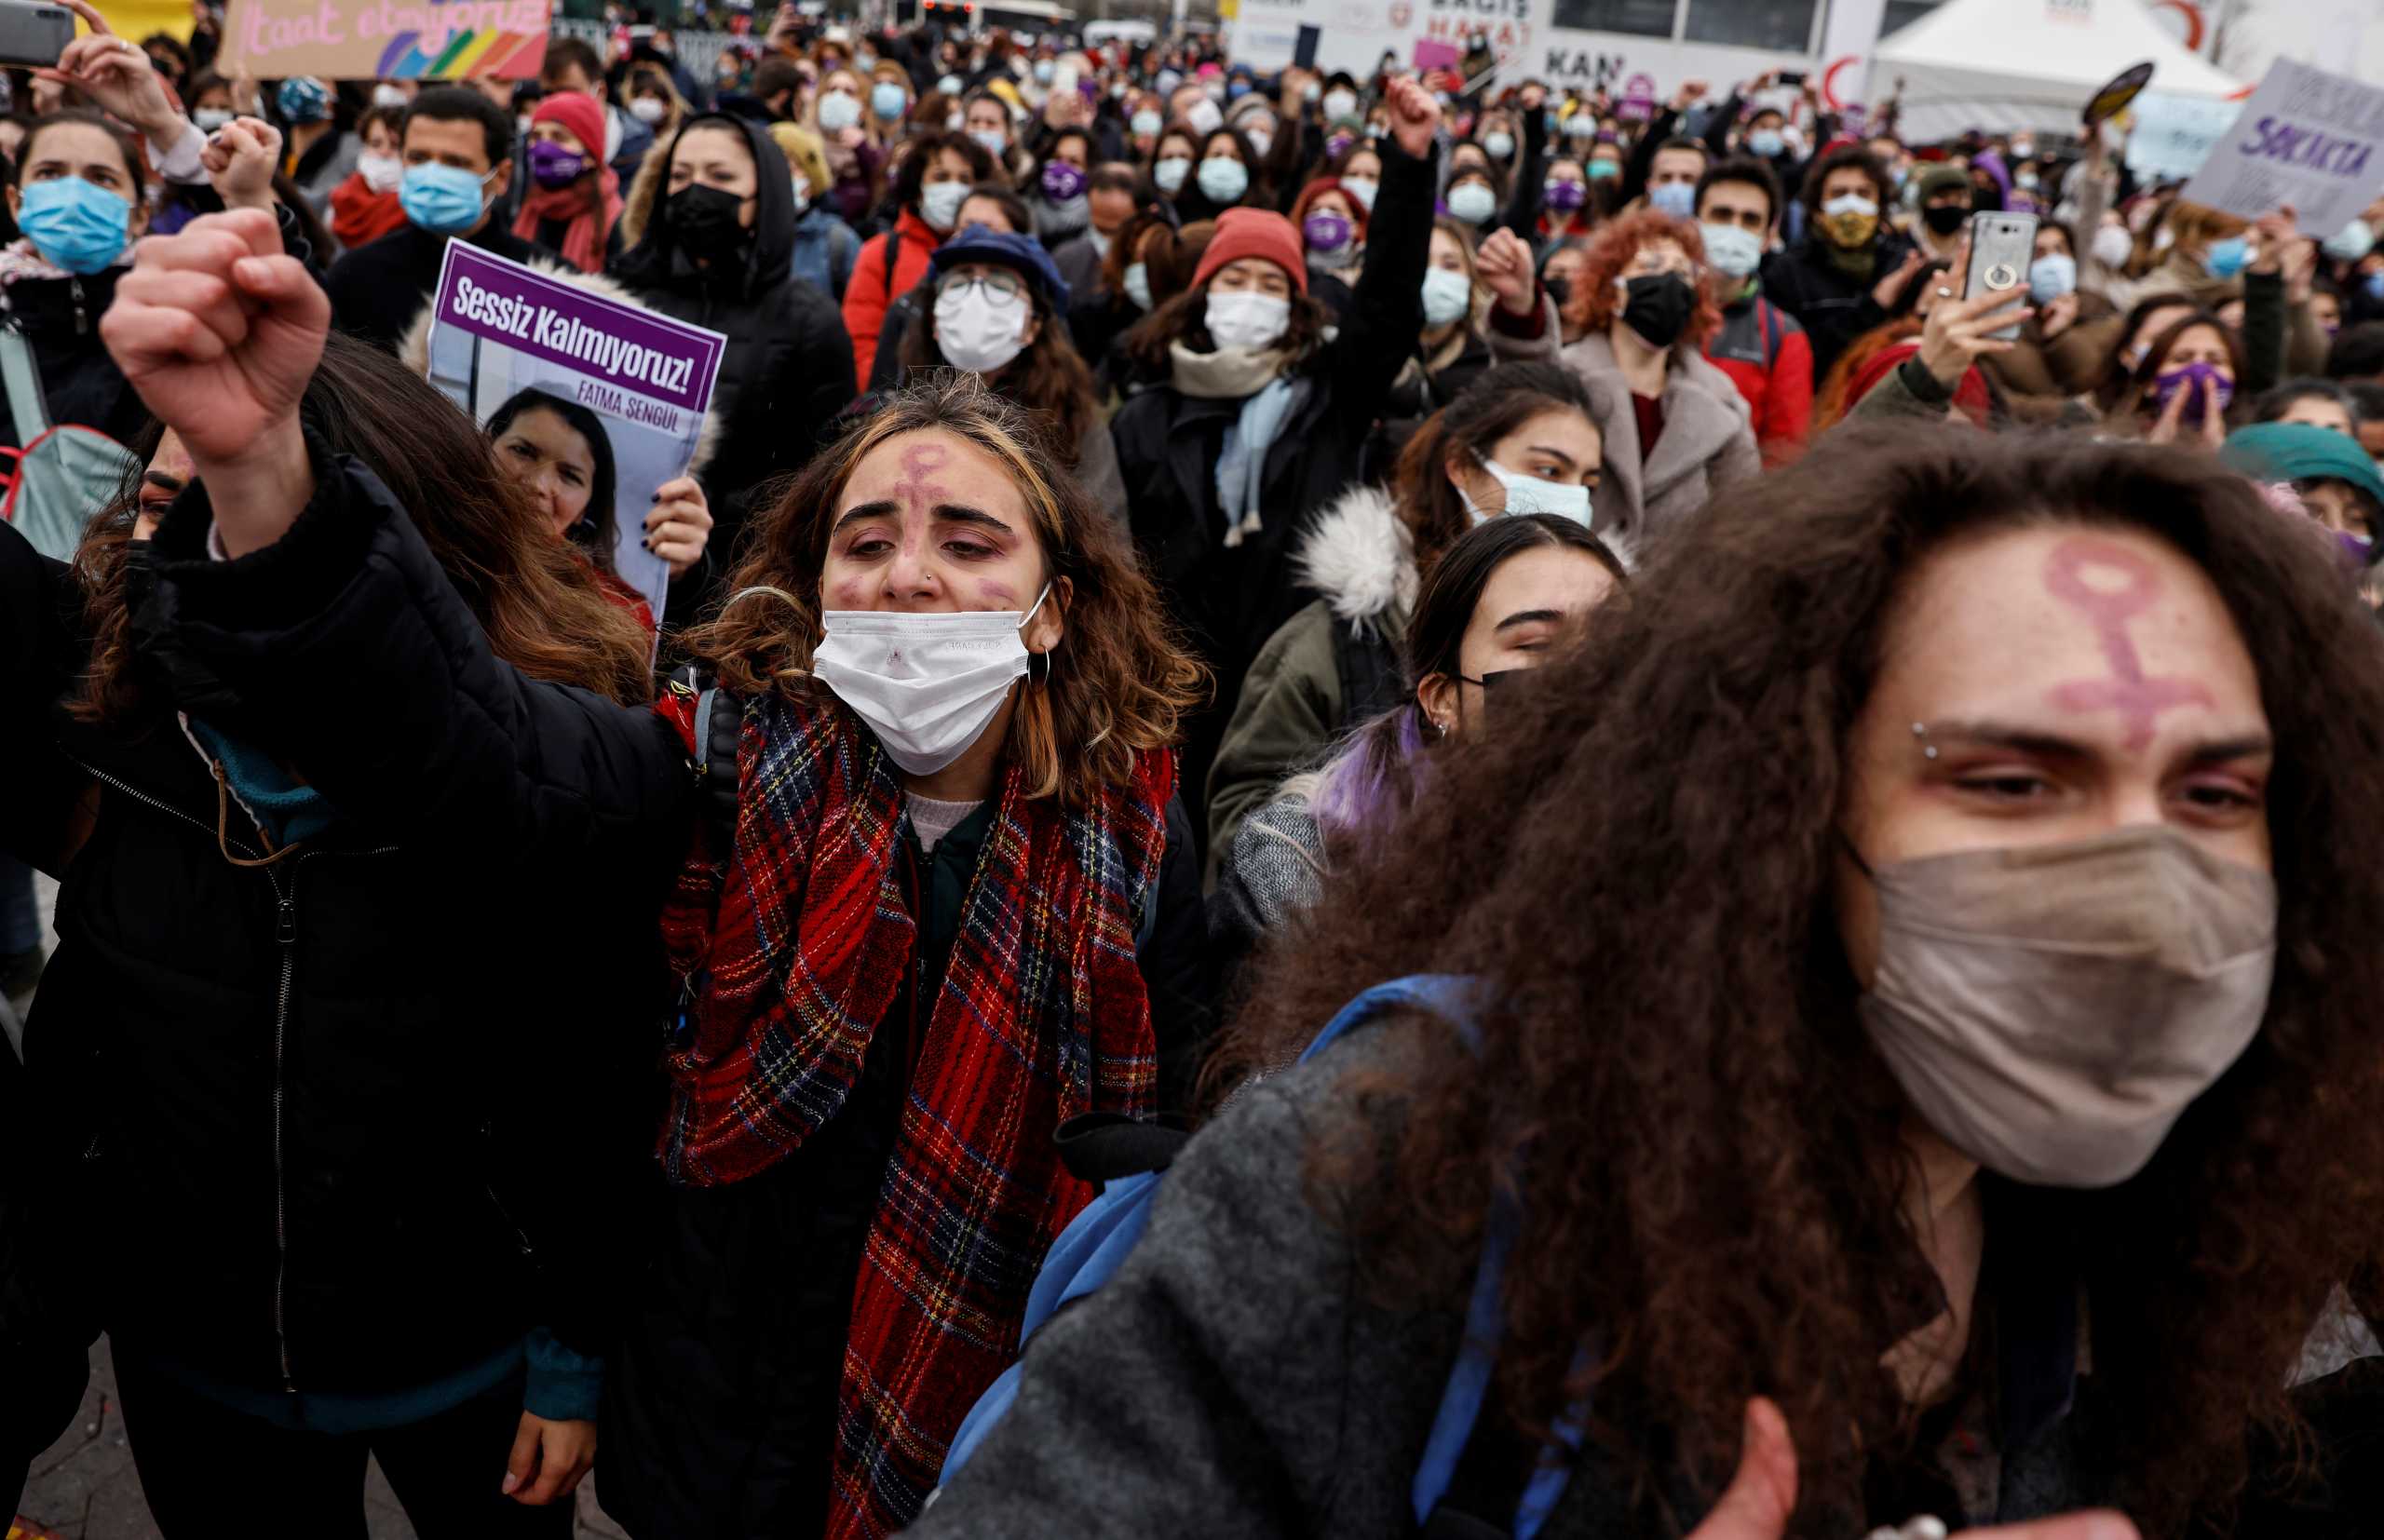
x: 789, y: 368
x: 1232, y: 598
x: 60, y: 318
x: 1834, y: 306
x: 360, y: 1117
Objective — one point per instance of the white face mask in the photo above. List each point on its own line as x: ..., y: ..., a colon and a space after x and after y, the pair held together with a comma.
x: 927, y: 684
x: 380, y: 172
x: 1473, y: 203
x: 1530, y: 494
x: 802, y: 185
x: 978, y: 329
x: 953, y: 120
x: 1340, y: 105
x: 1260, y: 140
x: 940, y: 203
x: 389, y: 96
x: 1448, y: 295
x: 1170, y: 173
x: 648, y: 109
x: 839, y: 110
x: 1246, y: 318
x: 210, y: 118
x: 2113, y: 246
x: 1138, y: 285
x: 1364, y: 189
x: 1204, y: 117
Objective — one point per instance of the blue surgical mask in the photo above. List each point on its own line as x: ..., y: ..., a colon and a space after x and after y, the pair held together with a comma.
x: 1145, y: 124
x: 2051, y: 277
x: 445, y: 201
x: 78, y: 226
x: 1677, y: 198
x: 1138, y: 285
x: 1765, y: 142
x: 886, y: 98
x: 2229, y: 257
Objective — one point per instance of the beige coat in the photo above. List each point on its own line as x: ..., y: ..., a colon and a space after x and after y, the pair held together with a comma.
x: 1708, y: 442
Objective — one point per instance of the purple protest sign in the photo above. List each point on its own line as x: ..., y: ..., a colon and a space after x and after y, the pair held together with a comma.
x: 631, y: 349
x: 2306, y: 138
x: 1638, y: 104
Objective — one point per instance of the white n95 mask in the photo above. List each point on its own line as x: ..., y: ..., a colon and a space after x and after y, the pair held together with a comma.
x: 927, y: 684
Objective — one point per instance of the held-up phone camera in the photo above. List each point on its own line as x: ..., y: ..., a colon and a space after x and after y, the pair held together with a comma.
x: 33, y: 34
x: 2001, y: 247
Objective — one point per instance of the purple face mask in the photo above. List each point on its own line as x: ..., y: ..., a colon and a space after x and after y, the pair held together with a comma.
x: 1062, y: 181
x: 1335, y: 145
x: 2189, y: 379
x: 1325, y: 232
x: 552, y: 166
x: 2356, y: 550
x: 1565, y: 196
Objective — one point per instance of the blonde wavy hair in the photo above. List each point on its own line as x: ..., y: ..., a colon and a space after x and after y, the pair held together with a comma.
x: 1118, y: 685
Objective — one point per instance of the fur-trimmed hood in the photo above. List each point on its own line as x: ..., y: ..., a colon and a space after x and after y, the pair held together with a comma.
x: 413, y: 349
x: 1359, y: 558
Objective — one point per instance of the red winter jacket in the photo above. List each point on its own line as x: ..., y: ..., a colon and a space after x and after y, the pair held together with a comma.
x: 1766, y: 354
x: 870, y: 289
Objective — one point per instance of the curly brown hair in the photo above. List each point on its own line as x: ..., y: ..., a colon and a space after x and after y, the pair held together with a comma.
x: 539, y: 601
x: 1119, y: 684
x: 1671, y: 1065
x: 1595, y: 303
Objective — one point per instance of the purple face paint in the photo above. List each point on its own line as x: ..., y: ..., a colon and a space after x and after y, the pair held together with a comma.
x: 2139, y: 700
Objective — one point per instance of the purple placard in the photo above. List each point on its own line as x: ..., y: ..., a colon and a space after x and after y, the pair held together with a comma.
x: 631, y: 349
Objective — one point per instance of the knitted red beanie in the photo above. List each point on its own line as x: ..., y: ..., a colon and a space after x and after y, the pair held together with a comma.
x: 1255, y: 233
x: 579, y: 112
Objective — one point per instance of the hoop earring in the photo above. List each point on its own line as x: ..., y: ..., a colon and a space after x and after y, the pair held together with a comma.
x: 1046, y: 656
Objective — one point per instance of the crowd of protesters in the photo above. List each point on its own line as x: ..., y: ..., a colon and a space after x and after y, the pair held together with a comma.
x: 1826, y: 810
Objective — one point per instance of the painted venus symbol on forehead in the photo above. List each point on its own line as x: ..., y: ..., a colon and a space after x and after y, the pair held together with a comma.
x: 920, y: 462
x: 2139, y: 700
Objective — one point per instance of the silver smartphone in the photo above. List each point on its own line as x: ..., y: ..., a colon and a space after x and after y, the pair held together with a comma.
x: 33, y: 34
x: 2001, y: 247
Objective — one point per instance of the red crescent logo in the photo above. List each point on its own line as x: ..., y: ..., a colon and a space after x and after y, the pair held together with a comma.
x: 2192, y: 13
x: 1829, y: 81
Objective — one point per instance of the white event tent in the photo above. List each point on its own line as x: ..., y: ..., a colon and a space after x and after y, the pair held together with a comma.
x: 1999, y: 65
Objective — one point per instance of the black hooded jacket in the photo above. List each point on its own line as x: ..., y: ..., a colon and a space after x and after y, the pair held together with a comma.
x: 789, y: 368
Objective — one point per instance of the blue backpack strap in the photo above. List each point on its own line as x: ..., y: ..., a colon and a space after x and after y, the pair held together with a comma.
x: 1477, y: 1358
x: 1444, y: 995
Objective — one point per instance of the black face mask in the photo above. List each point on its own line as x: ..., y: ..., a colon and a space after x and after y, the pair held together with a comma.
x: 1943, y: 219
x: 1658, y: 307
x: 1559, y: 289
x: 704, y: 220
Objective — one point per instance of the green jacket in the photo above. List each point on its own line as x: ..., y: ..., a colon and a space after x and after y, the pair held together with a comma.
x: 1295, y: 700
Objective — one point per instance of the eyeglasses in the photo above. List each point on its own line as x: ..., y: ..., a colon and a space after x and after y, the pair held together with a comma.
x: 1647, y: 264
x: 998, y: 282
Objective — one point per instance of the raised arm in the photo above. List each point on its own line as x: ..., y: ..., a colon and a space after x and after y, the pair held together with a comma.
x: 1523, y: 205
x: 328, y: 635
x: 1386, y: 314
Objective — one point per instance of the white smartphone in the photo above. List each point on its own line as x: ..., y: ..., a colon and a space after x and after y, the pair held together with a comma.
x: 2001, y: 247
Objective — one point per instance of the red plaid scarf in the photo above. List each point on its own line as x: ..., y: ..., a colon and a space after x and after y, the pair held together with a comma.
x: 794, y: 948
